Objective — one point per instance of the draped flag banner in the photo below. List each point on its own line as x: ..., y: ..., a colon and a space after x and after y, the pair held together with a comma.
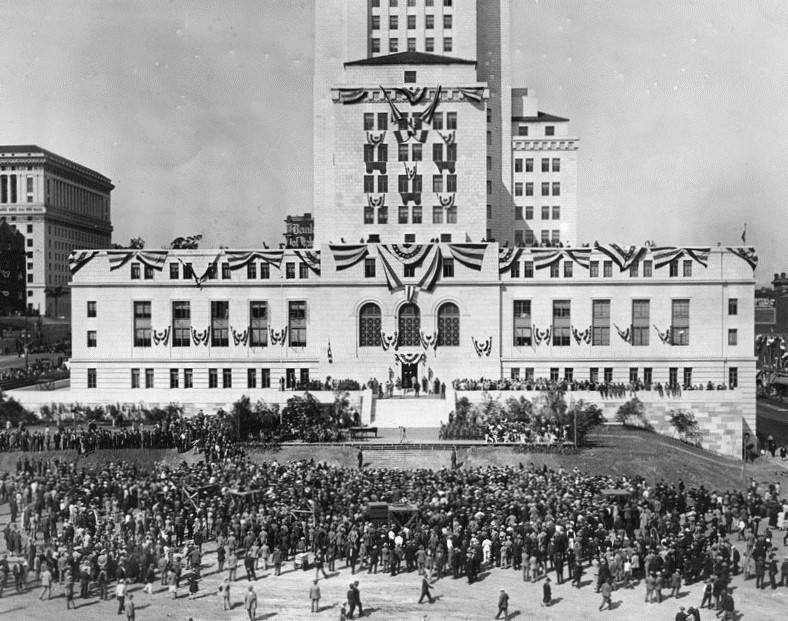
x: 352, y: 95
x: 78, y: 260
x: 408, y: 254
x: 747, y: 254
x: 347, y: 256
x: 240, y: 338
x: 626, y: 335
x: 448, y: 137
x: 429, y: 340
x: 311, y: 258
x: 470, y: 255
x: 392, y: 279
x: 388, y: 341
x: 483, y: 348
x: 154, y: 259
x: 664, y: 336
x: 507, y: 257
x: 623, y: 256
x: 411, y: 172
x: 582, y: 337
x: 278, y: 338
x: 473, y: 94
x: 413, y: 95
x: 410, y: 292
x: 376, y: 138
x: 446, y: 201
x: 161, y: 337
x: 378, y: 201
x: 542, y: 336
x: 545, y: 257
x: 663, y: 255
x: 201, y: 338
x: 410, y: 358
x: 433, y: 271
x: 238, y: 259
x: 429, y: 113
x: 199, y: 280
x: 396, y: 115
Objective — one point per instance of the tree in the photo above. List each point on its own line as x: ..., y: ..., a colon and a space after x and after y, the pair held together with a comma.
x: 55, y: 293
x: 633, y: 414
x: 13, y: 411
x: 135, y: 243
x: 584, y: 416
x: 192, y: 242
x: 519, y: 410
x: 686, y: 426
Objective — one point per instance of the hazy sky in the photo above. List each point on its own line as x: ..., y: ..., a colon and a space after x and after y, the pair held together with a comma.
x: 200, y: 112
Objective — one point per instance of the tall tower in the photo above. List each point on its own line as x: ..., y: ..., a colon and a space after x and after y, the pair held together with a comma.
x: 412, y: 130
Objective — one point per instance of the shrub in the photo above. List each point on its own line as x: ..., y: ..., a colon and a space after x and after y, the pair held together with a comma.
x: 587, y: 416
x: 686, y: 426
x: 14, y: 412
x: 633, y: 414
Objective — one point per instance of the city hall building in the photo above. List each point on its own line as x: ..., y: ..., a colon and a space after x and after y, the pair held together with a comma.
x: 446, y: 246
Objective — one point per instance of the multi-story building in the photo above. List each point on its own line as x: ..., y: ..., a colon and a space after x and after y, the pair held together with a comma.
x: 12, y: 270
x: 58, y: 205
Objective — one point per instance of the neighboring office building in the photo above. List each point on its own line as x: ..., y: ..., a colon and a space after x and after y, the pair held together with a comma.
x: 58, y: 205
x: 12, y: 270
x: 300, y: 231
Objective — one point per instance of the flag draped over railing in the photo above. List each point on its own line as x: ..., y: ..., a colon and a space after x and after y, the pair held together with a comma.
x: 545, y: 257
x: 311, y: 258
x: 470, y: 255
x: 747, y: 254
x: 507, y: 257
x: 238, y: 259
x: 664, y: 255
x: 154, y: 259
x: 79, y: 259
x: 623, y: 256
x: 346, y: 257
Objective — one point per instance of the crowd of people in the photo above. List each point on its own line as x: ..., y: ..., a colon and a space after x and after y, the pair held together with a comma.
x: 35, y: 371
x: 605, y: 389
x: 104, y: 529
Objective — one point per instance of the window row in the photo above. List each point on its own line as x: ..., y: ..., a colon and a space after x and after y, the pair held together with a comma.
x: 185, y: 271
x: 257, y: 326
x: 410, y: 215
x: 549, y: 130
x: 411, y: 22
x: 429, y: 44
x: 608, y: 377
x: 548, y: 212
x: 637, y: 333
x: 549, y: 188
x: 408, y: 325
x: 547, y: 164
x: 528, y: 238
x: 411, y: 3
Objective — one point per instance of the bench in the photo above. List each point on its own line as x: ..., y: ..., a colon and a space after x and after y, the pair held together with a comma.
x: 357, y: 432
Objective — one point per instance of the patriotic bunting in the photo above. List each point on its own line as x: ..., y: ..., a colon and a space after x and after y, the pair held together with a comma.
x: 473, y: 94
x: 507, y: 257
x: 623, y: 256
x: 429, y: 113
x: 161, y: 337
x: 352, y: 95
x: 582, y: 337
x: 411, y: 172
x: 410, y: 292
x: 388, y: 341
x: 201, y: 338
x: 419, y: 135
x: 448, y: 137
x: 373, y: 201
x: 541, y: 336
x: 347, y: 256
x: 78, y: 260
x: 447, y: 201
x: 470, y: 255
x: 376, y: 166
x: 154, y: 259
x: 240, y: 338
x: 408, y: 254
x: 408, y: 197
x: 392, y: 279
x: 376, y: 138
x: 483, y: 348
x: 413, y: 95
x: 433, y: 271
x: 278, y: 338
x: 545, y: 257
x: 626, y: 335
x: 201, y: 279
x: 396, y: 115
x: 664, y: 336
x: 429, y: 340
x: 311, y: 258
x: 663, y: 255
x: 410, y: 358
x: 238, y: 259
x: 747, y: 254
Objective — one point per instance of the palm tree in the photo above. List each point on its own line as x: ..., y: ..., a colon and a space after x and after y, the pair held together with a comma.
x: 55, y: 293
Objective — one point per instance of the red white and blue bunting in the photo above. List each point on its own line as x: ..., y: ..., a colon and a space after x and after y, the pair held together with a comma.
x: 663, y: 255
x: 433, y: 271
x: 392, y: 279
x: 582, y: 337
x: 469, y: 255
x: 507, y: 257
x: 665, y: 336
x: 429, y: 113
x: 447, y: 201
x: 154, y: 259
x: 346, y: 257
x: 413, y: 95
x: 238, y: 259
x: 541, y: 336
x: 161, y: 337
x: 387, y: 341
x: 78, y: 260
x: 201, y: 338
x: 626, y: 335
x: 311, y: 258
x: 240, y: 338
x: 473, y: 94
x: 408, y: 254
x: 352, y: 95
x: 483, y: 348
x: 448, y: 137
x: 623, y: 256
x: 545, y: 257
x: 378, y: 201
x: 376, y: 138
x: 429, y: 340
x: 410, y: 292
x: 410, y: 358
x: 278, y: 338
x: 747, y: 254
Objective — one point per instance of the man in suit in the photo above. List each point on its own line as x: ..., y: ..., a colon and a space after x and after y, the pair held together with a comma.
x: 250, y: 601
x: 425, y: 590
x: 503, y: 605
x: 314, y: 596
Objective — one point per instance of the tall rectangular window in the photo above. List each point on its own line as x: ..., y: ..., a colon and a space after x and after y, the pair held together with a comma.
x: 188, y: 378
x: 733, y: 377
x: 556, y: 164
x: 687, y: 376
x: 522, y: 323
x: 593, y: 269
x: 175, y: 271
x: 648, y: 376
x: 608, y: 375
x: 290, y: 271
x: 733, y: 336
x: 135, y: 270
x: 251, y: 378
x: 91, y: 338
x: 220, y: 323
x: 600, y: 331
x: 518, y: 165
x: 369, y: 268
x: 545, y: 164
x: 92, y: 378
x: 149, y: 378
x: 451, y: 119
x: 648, y: 269
x: 142, y: 324
x: 673, y: 376
x: 518, y: 188
x: 607, y: 266
x: 733, y: 306
x: 303, y: 271
x: 562, y: 323
x: 213, y: 378
x: 251, y: 270
x: 641, y: 316
x: 448, y: 268
x: 181, y: 324
x: 297, y: 324
x: 687, y: 269
x: 568, y: 269
x: 679, y: 325
x: 227, y: 378
x: 148, y: 272
x: 674, y: 269
x: 135, y: 378
x: 593, y: 375
x: 633, y: 269
x: 556, y: 188
x: 174, y: 378
x: 92, y: 308
x: 528, y: 269
x: 258, y: 324
x: 265, y: 271
x: 265, y: 378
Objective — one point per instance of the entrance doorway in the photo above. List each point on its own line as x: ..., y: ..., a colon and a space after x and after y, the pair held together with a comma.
x: 410, y: 374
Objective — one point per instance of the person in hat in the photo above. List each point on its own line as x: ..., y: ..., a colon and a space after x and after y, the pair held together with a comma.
x: 547, y: 593
x: 224, y: 591
x: 425, y: 590
x: 693, y: 614
x: 120, y: 594
x: 314, y: 596
x: 681, y: 615
x: 503, y: 605
x: 250, y: 602
x: 351, y: 601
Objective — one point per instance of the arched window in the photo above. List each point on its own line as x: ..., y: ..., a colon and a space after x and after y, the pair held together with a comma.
x: 409, y: 325
x: 369, y: 325
x: 449, y: 325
